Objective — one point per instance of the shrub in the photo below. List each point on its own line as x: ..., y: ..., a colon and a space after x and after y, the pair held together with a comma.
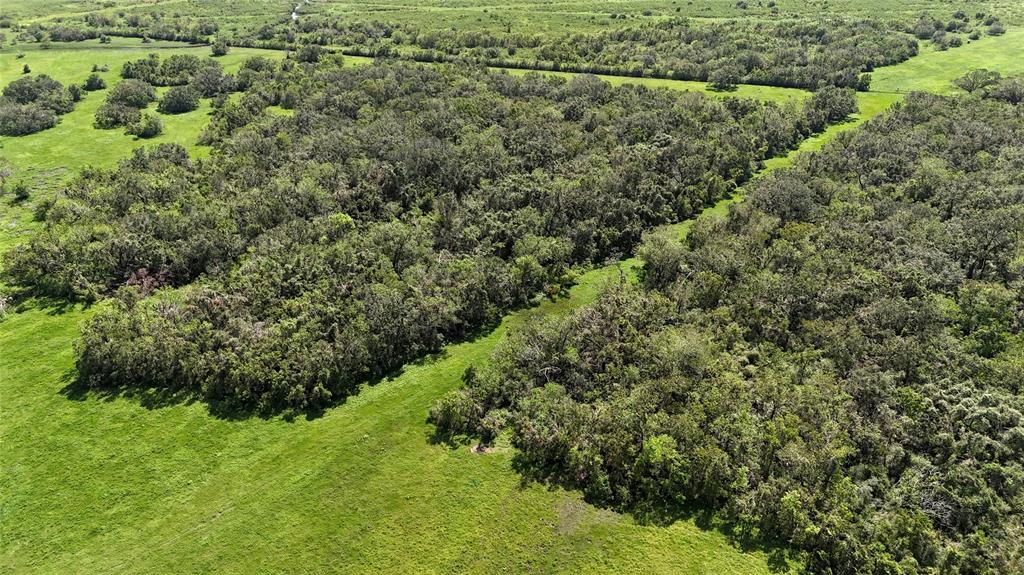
x: 94, y: 82
x: 131, y: 92
x: 309, y: 53
x: 147, y: 127
x: 116, y: 114
x: 219, y: 47
x: 21, y: 119
x: 178, y: 100
x: 21, y: 191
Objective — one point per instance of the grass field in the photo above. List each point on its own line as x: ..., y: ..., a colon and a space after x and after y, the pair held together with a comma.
x: 100, y: 484
x: 933, y: 71
x: 521, y: 16
x: 75, y: 143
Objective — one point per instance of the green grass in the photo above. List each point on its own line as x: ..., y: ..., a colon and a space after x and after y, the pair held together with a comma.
x: 933, y: 71
x: 74, y: 143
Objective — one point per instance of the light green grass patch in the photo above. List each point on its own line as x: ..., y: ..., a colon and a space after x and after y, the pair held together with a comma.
x: 934, y: 71
x: 74, y: 142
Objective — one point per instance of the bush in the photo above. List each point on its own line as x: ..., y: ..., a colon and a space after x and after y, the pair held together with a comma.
x: 21, y: 191
x: 178, y: 100
x: 147, y: 127
x: 725, y: 78
x: 309, y: 53
x: 133, y: 93
x: 116, y: 114
x: 21, y: 119
x: 94, y: 82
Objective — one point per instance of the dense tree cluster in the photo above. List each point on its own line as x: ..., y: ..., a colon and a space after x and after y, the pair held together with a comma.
x: 32, y: 103
x: 176, y: 70
x: 839, y: 362
x: 795, y: 53
x: 781, y: 52
x: 401, y: 206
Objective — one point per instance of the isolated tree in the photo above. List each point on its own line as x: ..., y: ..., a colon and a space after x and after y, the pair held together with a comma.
x: 219, y: 47
x: 725, y: 78
x: 26, y: 69
x: 976, y: 80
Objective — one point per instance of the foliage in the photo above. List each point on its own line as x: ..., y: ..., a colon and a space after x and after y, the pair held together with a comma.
x: 148, y: 126
x: 31, y: 104
x: 466, y: 193
x: 178, y: 100
x: 836, y: 363
x: 94, y: 82
x: 219, y: 47
x: 175, y: 70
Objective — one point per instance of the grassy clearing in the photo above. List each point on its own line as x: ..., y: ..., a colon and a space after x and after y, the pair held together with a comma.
x: 933, y: 71
x: 74, y: 142
x: 45, y: 159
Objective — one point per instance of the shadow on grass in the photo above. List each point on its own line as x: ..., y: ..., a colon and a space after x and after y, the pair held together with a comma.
x: 26, y: 300
x: 77, y: 388
x: 664, y: 511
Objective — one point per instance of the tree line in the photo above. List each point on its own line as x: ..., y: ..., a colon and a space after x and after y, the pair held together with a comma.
x: 790, y: 52
x: 399, y: 207
x: 837, y: 364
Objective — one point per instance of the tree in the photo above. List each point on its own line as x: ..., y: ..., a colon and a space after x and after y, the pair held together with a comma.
x: 219, y: 47
x: 309, y: 53
x: 26, y: 69
x: 133, y: 93
x: 725, y: 78
x: 977, y: 80
x: 178, y: 100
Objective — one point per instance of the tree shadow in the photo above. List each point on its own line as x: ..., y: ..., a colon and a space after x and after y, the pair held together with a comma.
x: 26, y: 300
x: 663, y: 512
x: 76, y: 388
